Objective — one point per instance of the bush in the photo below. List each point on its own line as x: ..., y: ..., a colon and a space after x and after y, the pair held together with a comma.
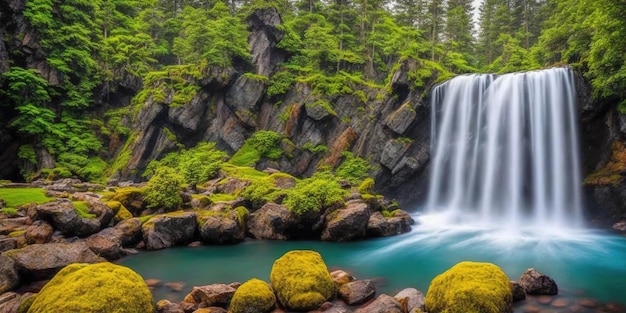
x: 196, y: 165
x: 162, y: 190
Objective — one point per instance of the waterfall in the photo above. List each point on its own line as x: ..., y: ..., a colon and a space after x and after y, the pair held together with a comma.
x: 505, y: 150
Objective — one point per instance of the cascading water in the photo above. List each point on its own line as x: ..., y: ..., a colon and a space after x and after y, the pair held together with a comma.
x: 505, y: 150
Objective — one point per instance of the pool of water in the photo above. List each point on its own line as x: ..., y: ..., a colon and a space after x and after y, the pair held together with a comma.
x: 589, y: 264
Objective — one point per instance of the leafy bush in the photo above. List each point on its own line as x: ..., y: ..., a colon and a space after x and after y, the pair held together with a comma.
x: 162, y: 190
x: 196, y: 165
x: 353, y: 169
x: 280, y: 83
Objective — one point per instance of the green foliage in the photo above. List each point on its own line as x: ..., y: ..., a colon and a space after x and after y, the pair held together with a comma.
x: 162, y: 190
x: 324, y: 104
x: 367, y: 186
x: 264, y: 143
x: 82, y: 208
x: 10, y: 212
x: 27, y: 153
x: 280, y: 83
x: 312, y: 194
x: 16, y: 197
x: 314, y: 149
x: 353, y: 169
x: 174, y: 85
x: 196, y: 165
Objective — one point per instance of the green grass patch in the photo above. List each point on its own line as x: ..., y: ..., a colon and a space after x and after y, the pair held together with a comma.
x: 247, y: 155
x: 83, y: 209
x: 9, y: 211
x: 244, y: 172
x: 222, y: 197
x: 15, y: 197
x: 144, y: 219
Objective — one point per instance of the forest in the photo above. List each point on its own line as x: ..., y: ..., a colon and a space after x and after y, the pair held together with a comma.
x: 331, y: 45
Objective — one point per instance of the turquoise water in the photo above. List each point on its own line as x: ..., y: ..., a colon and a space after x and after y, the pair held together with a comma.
x: 584, y: 264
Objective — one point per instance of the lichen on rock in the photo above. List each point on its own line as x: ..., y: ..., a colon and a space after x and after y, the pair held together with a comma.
x: 94, y: 288
x: 470, y: 287
x: 301, y: 280
x: 253, y: 296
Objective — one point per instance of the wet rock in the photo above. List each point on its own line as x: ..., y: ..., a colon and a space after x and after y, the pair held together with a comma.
x: 165, y: 306
x: 175, y: 286
x: 222, y: 230
x: 38, y: 232
x: 153, y: 282
x: 271, y: 222
x: 168, y: 230
x: 357, y: 292
x: 42, y: 261
x: 9, y: 278
x: 211, y: 295
x: 518, y: 291
x: 341, y: 277
x: 620, y: 226
x: 129, y: 231
x: 380, y: 226
x: 348, y: 223
x: 383, y: 303
x: 560, y: 303
x: 589, y: 303
x: 536, y: 283
x: 411, y: 299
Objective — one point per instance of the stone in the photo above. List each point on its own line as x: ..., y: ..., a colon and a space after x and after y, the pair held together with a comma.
x: 483, y: 287
x: 411, y: 299
x: 301, y: 281
x: 253, y: 296
x: 11, y: 301
x: 518, y: 291
x: 346, y: 224
x: 383, y: 303
x: 400, y: 120
x: 536, y: 283
x: 222, y: 230
x: 380, y: 226
x: 165, y: 306
x: 42, y: 261
x: 393, y: 151
x: 106, y: 244
x: 341, y: 277
x: 9, y: 277
x: 64, y: 217
x: 38, y: 232
x: 272, y: 222
x: 168, y: 230
x: 210, y: 295
x: 175, y: 285
x: 264, y: 36
x: 93, y: 288
x: 357, y: 292
x: 129, y: 231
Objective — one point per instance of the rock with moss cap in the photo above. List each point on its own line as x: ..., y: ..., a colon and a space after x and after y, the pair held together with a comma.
x: 470, y: 287
x: 94, y: 288
x: 168, y: 230
x: 301, y: 280
x: 253, y: 296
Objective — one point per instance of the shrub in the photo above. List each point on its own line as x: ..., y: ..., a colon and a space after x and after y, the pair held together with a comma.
x: 367, y: 186
x: 353, y: 169
x: 196, y: 165
x: 264, y: 143
x: 162, y: 190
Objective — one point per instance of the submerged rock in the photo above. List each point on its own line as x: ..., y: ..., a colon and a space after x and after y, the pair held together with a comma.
x: 210, y: 295
x: 536, y: 283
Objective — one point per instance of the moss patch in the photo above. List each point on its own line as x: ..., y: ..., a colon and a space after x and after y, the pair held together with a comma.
x: 301, y: 280
x: 16, y: 197
x: 82, y: 208
x: 94, y: 288
x: 253, y: 296
x: 470, y: 287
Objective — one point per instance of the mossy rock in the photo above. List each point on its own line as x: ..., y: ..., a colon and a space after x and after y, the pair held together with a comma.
x: 94, y: 288
x: 470, y: 287
x: 254, y: 296
x: 121, y: 212
x: 301, y: 280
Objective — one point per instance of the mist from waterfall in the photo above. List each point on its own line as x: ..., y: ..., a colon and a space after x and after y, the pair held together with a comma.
x: 505, y: 151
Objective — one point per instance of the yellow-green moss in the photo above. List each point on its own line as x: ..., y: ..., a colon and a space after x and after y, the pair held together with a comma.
x: 301, y: 280
x: 26, y: 303
x: 470, y: 287
x: 94, y: 288
x: 130, y: 197
x: 16, y: 233
x: 367, y: 186
x: 82, y: 208
x: 253, y: 296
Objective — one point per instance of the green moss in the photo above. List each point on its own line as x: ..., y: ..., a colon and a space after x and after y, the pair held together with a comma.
x: 11, y: 212
x: 94, y: 288
x: 16, y: 233
x: 253, y: 296
x: 301, y: 280
x: 367, y: 186
x: 314, y: 149
x: 470, y: 287
x: 256, y: 77
x: 243, y: 172
x: 26, y: 303
x: 82, y: 208
x: 16, y: 197
x: 146, y: 218
x: 390, y: 214
x: 263, y: 143
x: 324, y: 104
x: 242, y: 214
x: 222, y: 197
x: 120, y: 211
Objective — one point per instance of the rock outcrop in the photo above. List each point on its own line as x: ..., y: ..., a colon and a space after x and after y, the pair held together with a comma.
x: 168, y: 230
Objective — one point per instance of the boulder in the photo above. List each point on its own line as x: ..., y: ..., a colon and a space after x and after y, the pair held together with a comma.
x: 106, y: 244
x: 253, y: 296
x: 211, y: 295
x: 411, y: 300
x: 8, y: 244
x: 42, y: 261
x: 536, y: 283
x: 381, y: 226
x: 64, y: 217
x: 97, y: 288
x: 348, y: 223
x: 393, y: 151
x: 301, y: 280
x: 129, y: 231
x: 222, y: 230
x: 470, y: 287
x: 383, y: 303
x: 357, y: 292
x: 272, y: 222
x: 9, y: 278
x: 38, y: 232
x: 168, y: 230
x: 165, y: 306
x: 518, y: 291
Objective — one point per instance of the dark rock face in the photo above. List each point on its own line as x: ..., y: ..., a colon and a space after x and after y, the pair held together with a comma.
x: 106, y: 243
x: 63, y: 216
x: 264, y: 35
x: 380, y: 226
x: 42, y: 261
x: 222, y: 230
x: 519, y: 293
x: 9, y: 278
x: 348, y: 223
x: 168, y: 230
x: 536, y: 283
x: 272, y: 222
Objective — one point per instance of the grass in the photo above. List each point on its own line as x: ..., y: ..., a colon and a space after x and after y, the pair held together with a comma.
x: 9, y: 211
x: 247, y: 155
x: 222, y: 197
x: 16, y: 197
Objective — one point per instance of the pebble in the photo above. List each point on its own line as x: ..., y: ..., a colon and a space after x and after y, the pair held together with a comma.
x: 560, y: 303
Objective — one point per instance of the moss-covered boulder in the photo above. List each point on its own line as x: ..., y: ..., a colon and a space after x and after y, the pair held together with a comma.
x: 470, y: 287
x: 94, y: 288
x: 254, y: 296
x: 301, y: 280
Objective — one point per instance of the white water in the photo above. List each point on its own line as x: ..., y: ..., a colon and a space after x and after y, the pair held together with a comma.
x: 505, y: 151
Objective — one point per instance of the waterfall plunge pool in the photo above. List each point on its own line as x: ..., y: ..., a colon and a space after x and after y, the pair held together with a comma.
x: 584, y: 264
